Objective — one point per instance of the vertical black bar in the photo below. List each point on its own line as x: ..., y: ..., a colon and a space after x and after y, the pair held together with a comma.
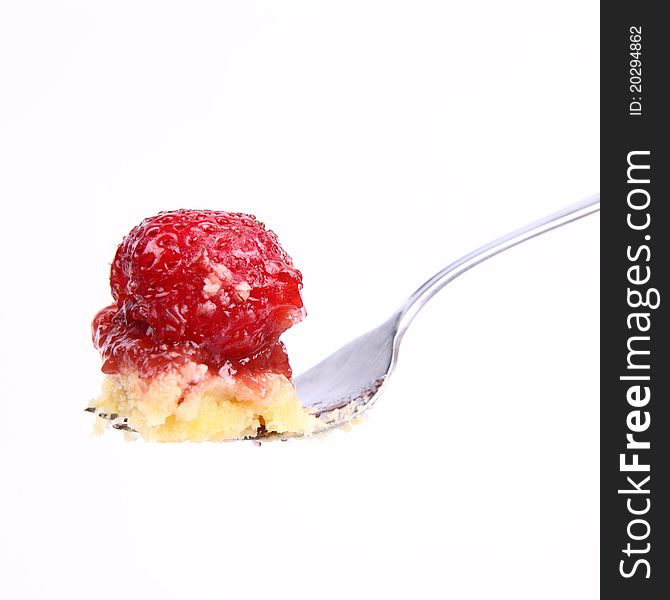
x: 635, y: 552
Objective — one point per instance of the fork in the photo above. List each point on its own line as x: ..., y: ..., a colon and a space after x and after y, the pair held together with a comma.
x: 352, y: 379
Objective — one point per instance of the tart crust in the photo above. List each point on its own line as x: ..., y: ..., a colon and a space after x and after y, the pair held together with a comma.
x: 194, y: 404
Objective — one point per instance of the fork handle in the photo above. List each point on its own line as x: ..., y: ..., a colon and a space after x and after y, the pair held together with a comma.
x: 424, y: 293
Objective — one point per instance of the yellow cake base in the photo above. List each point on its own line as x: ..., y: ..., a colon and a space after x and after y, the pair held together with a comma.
x: 192, y: 404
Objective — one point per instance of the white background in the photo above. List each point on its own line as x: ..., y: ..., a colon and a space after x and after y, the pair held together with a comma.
x: 380, y: 140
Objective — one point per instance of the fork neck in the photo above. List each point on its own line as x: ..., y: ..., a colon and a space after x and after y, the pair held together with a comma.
x: 425, y: 292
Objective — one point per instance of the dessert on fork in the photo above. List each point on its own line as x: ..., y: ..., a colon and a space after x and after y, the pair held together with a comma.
x: 190, y: 346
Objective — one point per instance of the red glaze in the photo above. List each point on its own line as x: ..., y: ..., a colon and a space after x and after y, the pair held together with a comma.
x: 207, y: 286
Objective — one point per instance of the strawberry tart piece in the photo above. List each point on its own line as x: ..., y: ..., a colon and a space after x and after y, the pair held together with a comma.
x: 190, y: 346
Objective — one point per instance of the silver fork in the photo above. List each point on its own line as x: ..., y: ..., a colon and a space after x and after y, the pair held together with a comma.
x: 352, y: 379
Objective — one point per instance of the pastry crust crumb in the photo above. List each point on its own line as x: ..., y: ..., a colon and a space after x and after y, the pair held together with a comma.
x: 194, y: 404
